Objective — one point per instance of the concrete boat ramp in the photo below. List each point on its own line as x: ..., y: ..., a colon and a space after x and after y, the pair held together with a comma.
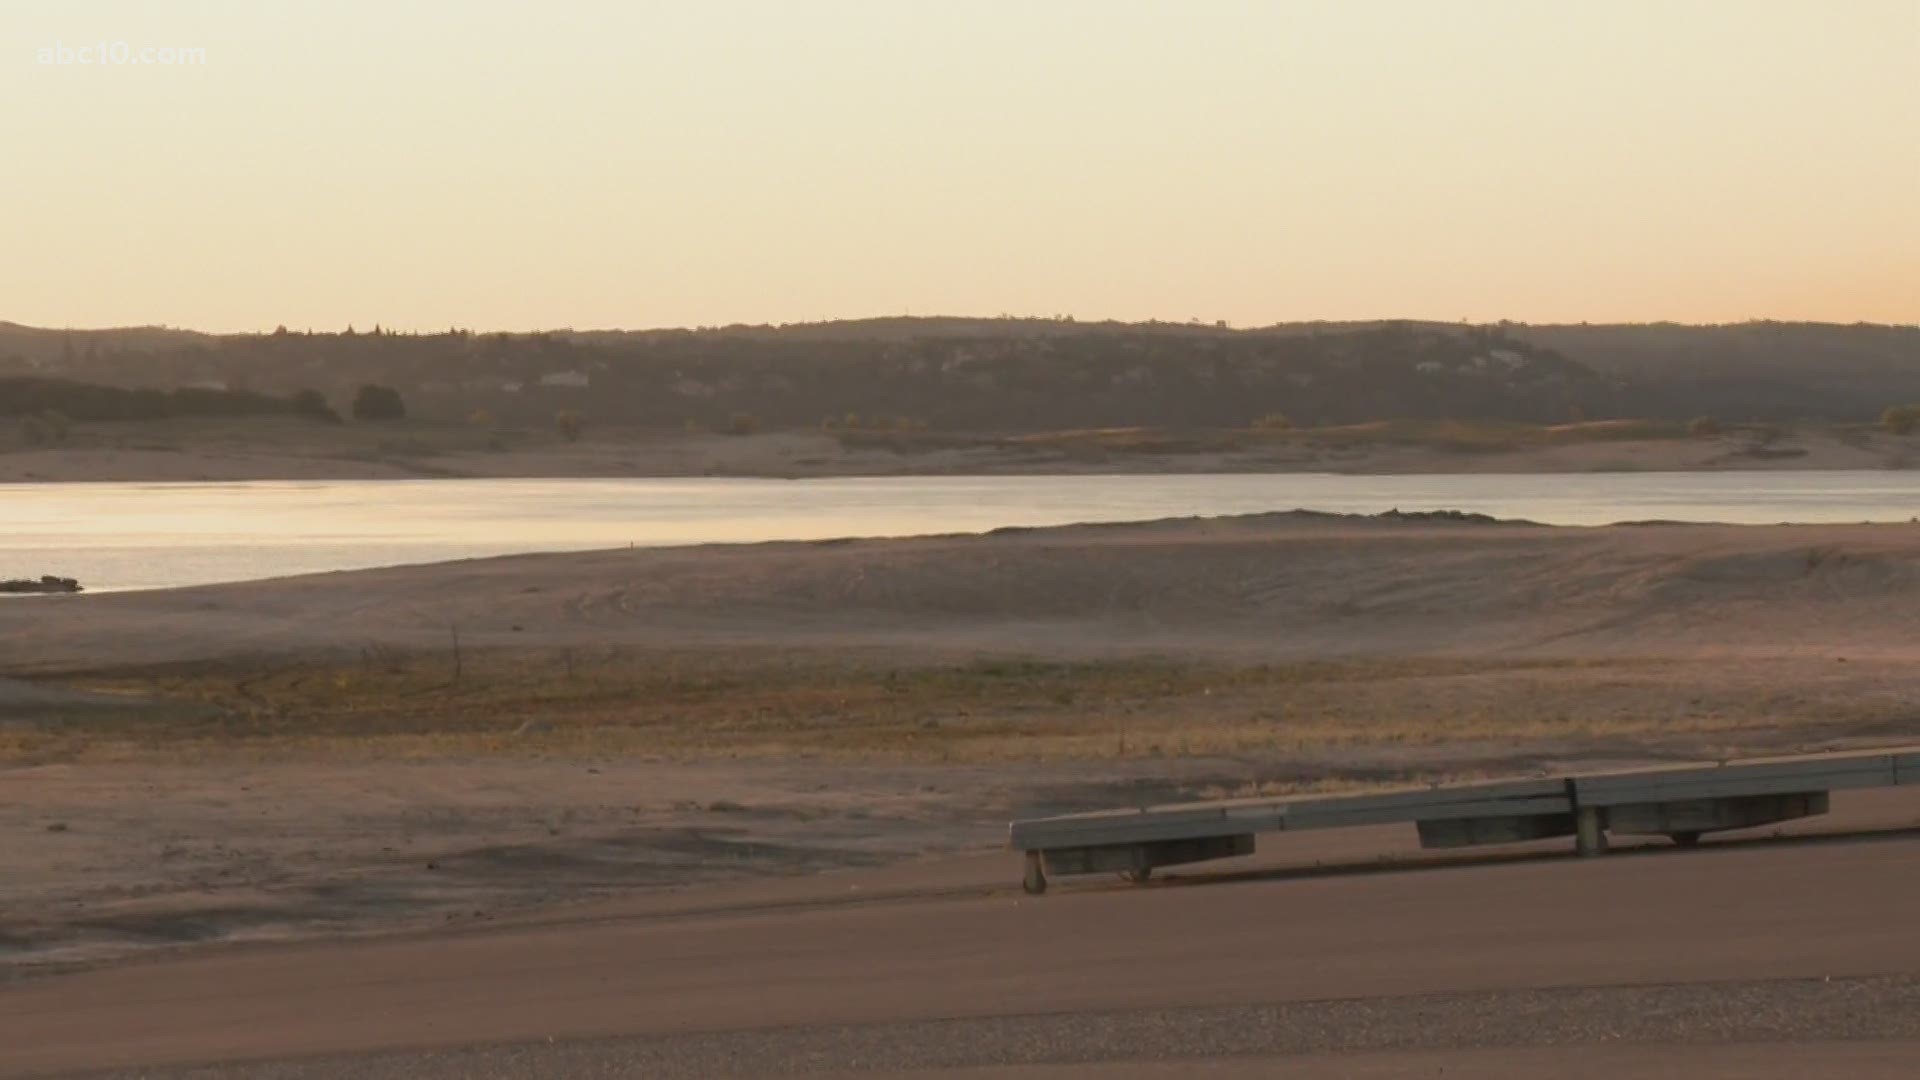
x: 1679, y: 801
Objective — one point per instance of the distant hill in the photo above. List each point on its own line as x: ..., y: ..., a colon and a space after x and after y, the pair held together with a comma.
x: 1035, y: 374
x: 40, y: 343
x: 1758, y: 369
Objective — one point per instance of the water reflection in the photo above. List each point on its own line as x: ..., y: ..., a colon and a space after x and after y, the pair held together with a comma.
x: 121, y: 536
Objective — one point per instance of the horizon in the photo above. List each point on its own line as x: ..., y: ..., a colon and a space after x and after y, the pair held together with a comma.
x: 666, y: 165
x: 1063, y: 319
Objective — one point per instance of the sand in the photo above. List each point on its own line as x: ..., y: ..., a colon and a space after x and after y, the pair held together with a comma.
x: 1283, y: 585
x: 107, y: 861
x: 603, y: 894
x: 1475, y: 649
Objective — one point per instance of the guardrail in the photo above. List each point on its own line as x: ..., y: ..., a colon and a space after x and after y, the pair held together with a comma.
x: 1682, y: 802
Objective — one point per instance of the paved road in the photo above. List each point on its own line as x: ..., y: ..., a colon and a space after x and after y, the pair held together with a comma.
x: 1733, y: 958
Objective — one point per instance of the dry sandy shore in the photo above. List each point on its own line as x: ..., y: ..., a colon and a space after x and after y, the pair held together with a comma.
x: 184, y: 767
x: 1288, y: 585
x: 278, y: 450
x: 661, y: 908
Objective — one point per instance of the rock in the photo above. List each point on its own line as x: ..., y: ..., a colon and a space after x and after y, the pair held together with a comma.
x: 47, y: 584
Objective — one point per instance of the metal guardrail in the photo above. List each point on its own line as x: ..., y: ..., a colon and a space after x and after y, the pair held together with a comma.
x: 1682, y: 802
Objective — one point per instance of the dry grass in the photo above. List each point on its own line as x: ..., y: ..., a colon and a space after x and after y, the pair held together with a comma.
x: 1459, y: 436
x: 1130, y: 440
x: 830, y: 706
x: 1452, y: 436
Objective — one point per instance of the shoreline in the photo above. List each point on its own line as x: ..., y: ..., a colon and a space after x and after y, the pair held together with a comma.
x: 351, y: 476
x: 163, y: 478
x: 164, y: 452
x: 321, y: 756
x: 1422, y: 514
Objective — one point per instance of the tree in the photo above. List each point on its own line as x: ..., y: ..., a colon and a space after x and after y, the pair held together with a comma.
x: 1901, y: 419
x: 375, y: 402
x: 569, y: 425
x: 313, y: 405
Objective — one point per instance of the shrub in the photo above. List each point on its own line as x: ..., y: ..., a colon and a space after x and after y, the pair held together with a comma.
x: 567, y: 422
x: 375, y: 402
x: 89, y: 403
x: 742, y: 424
x: 1901, y: 419
x: 1701, y: 427
x: 313, y: 405
x: 1273, y: 421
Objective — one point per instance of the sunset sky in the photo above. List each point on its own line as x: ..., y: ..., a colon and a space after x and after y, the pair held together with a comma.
x: 506, y: 165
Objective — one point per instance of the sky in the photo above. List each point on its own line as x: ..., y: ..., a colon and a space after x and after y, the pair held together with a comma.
x: 540, y: 165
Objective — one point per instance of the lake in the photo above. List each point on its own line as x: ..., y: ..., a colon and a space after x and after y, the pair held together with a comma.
x: 143, y: 536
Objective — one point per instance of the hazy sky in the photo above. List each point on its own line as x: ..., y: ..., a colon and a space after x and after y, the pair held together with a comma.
x: 509, y: 165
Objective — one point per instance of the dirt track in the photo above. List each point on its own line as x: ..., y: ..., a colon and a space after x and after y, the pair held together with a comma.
x: 945, y: 965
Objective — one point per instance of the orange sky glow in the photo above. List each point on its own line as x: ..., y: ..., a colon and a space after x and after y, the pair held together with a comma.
x: 520, y: 165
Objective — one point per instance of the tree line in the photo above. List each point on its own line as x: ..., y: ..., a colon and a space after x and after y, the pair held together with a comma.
x: 87, y: 402
x: 1032, y: 374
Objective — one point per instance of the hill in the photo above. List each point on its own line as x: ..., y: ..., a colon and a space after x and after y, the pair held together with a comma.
x: 1034, y: 374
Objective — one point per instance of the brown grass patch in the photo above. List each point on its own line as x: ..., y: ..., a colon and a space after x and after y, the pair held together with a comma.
x: 841, y: 707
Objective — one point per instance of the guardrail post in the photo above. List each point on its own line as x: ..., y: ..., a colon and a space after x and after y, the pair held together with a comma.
x: 1590, y: 837
x: 1035, y: 880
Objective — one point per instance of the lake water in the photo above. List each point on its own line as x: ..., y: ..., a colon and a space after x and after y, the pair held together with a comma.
x: 139, y: 536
